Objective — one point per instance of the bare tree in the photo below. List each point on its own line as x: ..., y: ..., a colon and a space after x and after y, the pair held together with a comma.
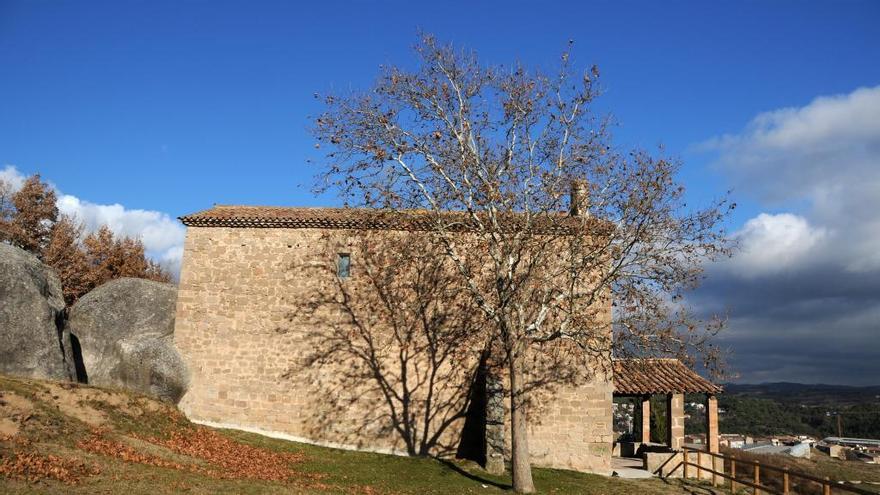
x: 564, y: 222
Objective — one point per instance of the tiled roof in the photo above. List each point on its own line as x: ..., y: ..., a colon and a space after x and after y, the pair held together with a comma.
x: 278, y: 217
x: 348, y: 218
x: 658, y: 376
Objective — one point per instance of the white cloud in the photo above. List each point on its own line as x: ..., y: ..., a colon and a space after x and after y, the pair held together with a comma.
x: 817, y: 150
x: 770, y: 244
x: 825, y: 155
x: 828, y: 121
x: 162, y: 235
x: 11, y: 176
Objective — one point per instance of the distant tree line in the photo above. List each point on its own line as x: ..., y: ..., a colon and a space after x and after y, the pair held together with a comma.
x: 761, y: 416
x: 30, y: 220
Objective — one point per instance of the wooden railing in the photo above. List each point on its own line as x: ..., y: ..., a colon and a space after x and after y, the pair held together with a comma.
x: 757, y: 468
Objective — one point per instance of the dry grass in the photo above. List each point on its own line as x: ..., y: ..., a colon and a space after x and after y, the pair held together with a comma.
x: 144, y: 446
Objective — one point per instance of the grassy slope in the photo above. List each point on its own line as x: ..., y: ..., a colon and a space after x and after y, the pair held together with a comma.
x: 63, y: 420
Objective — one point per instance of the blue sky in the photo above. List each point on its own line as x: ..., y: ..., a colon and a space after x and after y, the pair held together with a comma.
x: 169, y: 107
x: 177, y: 105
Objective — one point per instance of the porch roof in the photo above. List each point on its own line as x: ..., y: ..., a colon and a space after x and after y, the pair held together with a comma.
x: 658, y: 376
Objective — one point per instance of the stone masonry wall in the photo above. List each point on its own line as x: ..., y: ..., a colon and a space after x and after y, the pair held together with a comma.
x: 675, y: 420
x: 573, y: 428
x: 240, y: 329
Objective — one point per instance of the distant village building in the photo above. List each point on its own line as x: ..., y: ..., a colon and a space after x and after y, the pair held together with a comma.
x: 833, y: 450
x: 865, y: 443
x: 807, y: 439
x: 697, y: 439
x: 857, y: 449
x: 796, y: 450
x: 732, y: 440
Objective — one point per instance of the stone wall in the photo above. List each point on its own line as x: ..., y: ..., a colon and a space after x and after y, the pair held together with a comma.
x: 675, y: 421
x: 572, y: 428
x: 712, y: 423
x: 242, y: 331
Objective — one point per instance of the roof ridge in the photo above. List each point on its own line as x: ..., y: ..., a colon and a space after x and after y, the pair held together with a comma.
x: 364, y: 218
x: 281, y: 207
x: 649, y: 359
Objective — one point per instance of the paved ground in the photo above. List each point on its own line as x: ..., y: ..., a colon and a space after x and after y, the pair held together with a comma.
x: 627, y: 467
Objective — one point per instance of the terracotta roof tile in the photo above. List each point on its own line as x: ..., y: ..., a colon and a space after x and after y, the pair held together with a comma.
x: 658, y: 376
x: 348, y: 218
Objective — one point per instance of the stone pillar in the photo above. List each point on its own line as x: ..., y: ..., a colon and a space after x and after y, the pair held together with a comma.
x: 711, y: 423
x: 646, y: 419
x: 495, y: 444
x: 675, y: 421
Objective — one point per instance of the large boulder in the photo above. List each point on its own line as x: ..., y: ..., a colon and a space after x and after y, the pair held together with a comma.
x: 124, y: 331
x: 32, y: 340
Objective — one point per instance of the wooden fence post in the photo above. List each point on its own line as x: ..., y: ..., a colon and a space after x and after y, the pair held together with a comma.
x: 826, y: 486
x: 785, y: 482
x: 733, y: 474
x: 757, y: 477
x: 684, y: 465
x: 715, y: 470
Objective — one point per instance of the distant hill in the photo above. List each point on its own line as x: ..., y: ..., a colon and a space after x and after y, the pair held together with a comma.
x: 806, y: 394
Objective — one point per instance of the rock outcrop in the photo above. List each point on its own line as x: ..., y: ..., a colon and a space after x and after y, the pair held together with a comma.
x: 123, y: 330
x: 32, y: 340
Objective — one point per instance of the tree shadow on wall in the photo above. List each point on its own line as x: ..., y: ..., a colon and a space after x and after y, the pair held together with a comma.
x: 395, y: 348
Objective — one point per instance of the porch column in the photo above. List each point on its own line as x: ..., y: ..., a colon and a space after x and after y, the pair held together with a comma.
x: 646, y: 419
x: 712, y: 423
x: 675, y: 420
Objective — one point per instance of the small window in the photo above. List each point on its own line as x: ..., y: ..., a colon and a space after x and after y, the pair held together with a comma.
x: 343, y: 265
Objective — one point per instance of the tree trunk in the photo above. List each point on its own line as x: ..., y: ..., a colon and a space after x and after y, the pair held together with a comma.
x: 519, y: 455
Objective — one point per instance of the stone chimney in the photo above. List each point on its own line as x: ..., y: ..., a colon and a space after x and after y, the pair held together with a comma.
x: 580, y: 198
